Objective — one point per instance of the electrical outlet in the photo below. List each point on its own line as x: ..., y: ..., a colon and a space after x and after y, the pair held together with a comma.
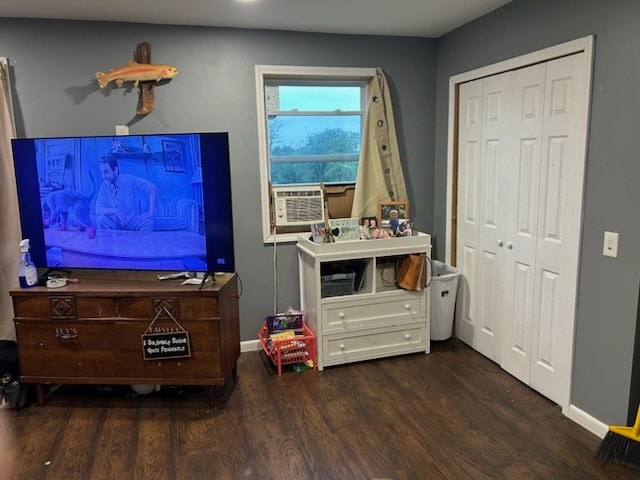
x: 122, y: 130
x: 610, y: 244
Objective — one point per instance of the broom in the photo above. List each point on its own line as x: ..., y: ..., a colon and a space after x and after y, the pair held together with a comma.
x: 621, y: 445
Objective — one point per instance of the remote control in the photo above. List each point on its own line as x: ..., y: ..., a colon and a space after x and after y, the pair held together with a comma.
x: 173, y: 275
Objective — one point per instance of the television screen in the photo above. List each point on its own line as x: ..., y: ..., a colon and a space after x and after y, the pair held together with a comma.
x: 136, y: 202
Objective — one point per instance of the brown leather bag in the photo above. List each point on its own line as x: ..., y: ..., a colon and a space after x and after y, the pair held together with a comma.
x: 412, y: 272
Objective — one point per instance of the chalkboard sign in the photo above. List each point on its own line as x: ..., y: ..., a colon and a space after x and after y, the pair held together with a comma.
x: 156, y: 346
x: 345, y: 228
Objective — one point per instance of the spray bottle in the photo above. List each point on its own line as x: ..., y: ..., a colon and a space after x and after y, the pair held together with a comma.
x: 27, y: 273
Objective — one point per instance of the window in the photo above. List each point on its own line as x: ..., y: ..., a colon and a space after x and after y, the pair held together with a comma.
x: 310, y: 127
x: 313, y: 131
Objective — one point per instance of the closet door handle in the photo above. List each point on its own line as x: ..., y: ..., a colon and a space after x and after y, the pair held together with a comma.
x: 509, y: 245
x: 499, y: 242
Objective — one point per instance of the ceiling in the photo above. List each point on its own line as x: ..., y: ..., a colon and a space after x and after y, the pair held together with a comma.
x: 415, y: 18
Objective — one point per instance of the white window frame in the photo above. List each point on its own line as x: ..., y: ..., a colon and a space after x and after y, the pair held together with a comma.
x: 270, y: 72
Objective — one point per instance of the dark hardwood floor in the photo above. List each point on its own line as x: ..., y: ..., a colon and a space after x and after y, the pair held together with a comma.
x: 452, y: 414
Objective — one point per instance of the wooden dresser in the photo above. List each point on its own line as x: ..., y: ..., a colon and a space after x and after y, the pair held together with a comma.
x: 91, y: 332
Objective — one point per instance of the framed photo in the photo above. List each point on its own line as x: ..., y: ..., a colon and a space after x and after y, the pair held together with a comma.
x: 173, y: 155
x: 367, y: 226
x: 317, y: 232
x: 390, y: 213
x: 405, y: 228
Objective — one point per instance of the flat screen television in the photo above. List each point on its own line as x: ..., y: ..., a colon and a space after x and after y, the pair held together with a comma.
x: 136, y: 202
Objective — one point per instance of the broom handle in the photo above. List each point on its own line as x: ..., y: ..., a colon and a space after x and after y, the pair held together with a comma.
x: 636, y: 426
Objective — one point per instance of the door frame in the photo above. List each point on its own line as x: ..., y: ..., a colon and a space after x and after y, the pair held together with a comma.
x: 584, y: 44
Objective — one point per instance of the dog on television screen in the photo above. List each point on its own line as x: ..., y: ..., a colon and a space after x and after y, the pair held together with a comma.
x: 68, y: 209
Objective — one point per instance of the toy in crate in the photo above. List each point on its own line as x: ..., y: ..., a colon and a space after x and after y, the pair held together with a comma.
x: 291, y: 320
x: 285, y: 347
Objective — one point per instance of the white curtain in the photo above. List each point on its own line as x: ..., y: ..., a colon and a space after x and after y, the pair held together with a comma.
x: 380, y: 176
x: 9, y: 214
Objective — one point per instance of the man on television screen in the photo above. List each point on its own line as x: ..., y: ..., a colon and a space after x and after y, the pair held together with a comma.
x: 116, y: 205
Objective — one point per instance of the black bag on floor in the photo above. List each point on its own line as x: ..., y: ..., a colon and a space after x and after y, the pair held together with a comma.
x: 13, y: 392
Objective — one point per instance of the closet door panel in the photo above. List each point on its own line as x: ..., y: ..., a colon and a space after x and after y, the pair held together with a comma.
x: 469, y: 157
x: 544, y: 367
x: 558, y: 239
x: 521, y: 183
x: 497, y: 152
x: 488, y: 305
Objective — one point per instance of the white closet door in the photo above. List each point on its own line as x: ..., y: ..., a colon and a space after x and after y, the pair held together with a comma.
x: 484, y: 150
x: 469, y: 155
x: 497, y: 151
x: 521, y: 182
x: 559, y: 221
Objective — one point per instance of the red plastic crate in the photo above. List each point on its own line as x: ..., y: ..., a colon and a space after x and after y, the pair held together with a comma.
x: 298, y: 349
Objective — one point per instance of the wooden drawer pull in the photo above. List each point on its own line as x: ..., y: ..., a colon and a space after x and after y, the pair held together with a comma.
x: 67, y: 336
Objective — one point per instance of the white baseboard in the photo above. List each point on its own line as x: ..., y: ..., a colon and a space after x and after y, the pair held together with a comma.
x: 585, y: 420
x: 249, y: 346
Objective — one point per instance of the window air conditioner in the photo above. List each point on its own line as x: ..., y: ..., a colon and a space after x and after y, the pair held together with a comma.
x: 296, y: 205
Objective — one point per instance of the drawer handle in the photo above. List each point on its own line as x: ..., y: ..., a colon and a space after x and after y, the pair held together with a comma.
x: 343, y: 347
x: 341, y: 314
x: 67, y: 336
x: 407, y: 337
x: 407, y: 306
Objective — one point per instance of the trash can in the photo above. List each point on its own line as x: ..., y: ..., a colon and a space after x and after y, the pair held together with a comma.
x: 444, y: 286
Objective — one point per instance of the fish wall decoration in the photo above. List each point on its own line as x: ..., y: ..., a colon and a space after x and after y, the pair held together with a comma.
x: 136, y: 72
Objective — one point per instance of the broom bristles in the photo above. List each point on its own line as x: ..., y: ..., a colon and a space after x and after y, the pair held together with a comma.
x: 619, y: 449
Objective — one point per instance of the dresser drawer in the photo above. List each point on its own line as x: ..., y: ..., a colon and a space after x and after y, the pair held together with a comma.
x: 379, y: 311
x: 374, y: 343
x: 68, y: 363
x: 179, y: 307
x: 65, y: 335
x: 199, y: 366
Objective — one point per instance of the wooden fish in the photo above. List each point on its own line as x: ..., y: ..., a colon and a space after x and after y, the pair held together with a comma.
x: 136, y: 72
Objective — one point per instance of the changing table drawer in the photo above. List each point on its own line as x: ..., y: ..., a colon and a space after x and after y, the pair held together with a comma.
x: 375, y: 343
x: 402, y: 307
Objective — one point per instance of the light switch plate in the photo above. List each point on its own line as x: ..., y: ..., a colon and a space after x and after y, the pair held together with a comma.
x: 610, y: 244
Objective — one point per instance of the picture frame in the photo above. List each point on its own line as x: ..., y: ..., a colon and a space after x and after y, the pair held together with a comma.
x: 317, y: 232
x: 173, y: 156
x: 385, y: 209
x: 367, y: 226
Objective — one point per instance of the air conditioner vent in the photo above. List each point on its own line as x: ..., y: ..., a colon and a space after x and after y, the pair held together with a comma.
x: 298, y: 205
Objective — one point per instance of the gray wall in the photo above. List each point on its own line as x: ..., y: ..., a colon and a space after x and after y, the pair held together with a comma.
x: 55, y: 94
x: 608, y: 295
